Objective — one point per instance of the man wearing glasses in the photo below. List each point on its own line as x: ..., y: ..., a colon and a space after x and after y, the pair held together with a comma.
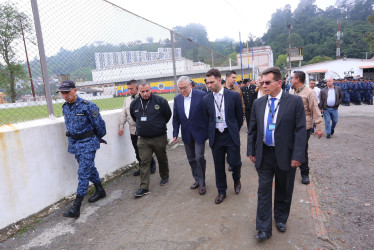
x: 312, y: 113
x: 276, y: 145
x: 189, y: 115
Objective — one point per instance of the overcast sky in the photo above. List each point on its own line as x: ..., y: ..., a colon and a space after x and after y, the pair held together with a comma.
x: 220, y: 17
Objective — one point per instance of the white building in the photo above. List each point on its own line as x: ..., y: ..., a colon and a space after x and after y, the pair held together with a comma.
x: 121, y: 66
x: 261, y: 57
x: 340, y: 68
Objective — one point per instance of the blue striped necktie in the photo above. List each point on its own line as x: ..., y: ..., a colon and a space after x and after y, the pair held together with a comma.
x: 269, y: 133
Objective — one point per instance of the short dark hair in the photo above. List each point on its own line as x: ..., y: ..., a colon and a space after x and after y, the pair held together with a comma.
x: 300, y: 75
x: 230, y: 73
x: 276, y: 72
x: 132, y: 82
x: 214, y: 72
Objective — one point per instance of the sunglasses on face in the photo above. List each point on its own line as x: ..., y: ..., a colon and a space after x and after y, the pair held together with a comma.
x: 267, y: 82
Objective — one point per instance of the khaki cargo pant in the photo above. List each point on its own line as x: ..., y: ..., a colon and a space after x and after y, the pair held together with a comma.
x: 148, y: 146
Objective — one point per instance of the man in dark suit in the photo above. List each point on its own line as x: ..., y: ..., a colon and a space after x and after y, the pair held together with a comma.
x: 249, y: 95
x: 224, y: 112
x: 189, y: 114
x: 276, y: 144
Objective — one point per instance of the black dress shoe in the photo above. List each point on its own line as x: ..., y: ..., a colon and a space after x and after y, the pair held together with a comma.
x: 262, y: 235
x: 328, y: 136
x: 202, y: 190
x: 220, y: 198
x: 195, y: 185
x: 237, y: 187
x: 305, y: 179
x: 282, y: 227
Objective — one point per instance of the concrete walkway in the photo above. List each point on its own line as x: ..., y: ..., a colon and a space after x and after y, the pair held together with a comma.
x: 175, y: 217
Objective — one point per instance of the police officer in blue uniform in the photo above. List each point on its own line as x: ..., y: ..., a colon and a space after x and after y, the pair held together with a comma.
x: 370, y: 88
x: 345, y: 89
x: 85, y: 129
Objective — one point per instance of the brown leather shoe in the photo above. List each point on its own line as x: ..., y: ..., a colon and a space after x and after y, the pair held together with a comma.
x: 202, y: 190
x: 220, y: 198
x: 237, y: 187
x: 195, y: 185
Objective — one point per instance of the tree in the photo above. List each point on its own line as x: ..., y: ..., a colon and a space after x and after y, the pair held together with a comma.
x: 318, y: 59
x: 281, y: 61
x: 10, y: 31
x: 370, y: 35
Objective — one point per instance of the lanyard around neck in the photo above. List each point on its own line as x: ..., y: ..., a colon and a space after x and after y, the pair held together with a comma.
x: 141, y: 103
x: 220, y: 105
x: 275, y: 110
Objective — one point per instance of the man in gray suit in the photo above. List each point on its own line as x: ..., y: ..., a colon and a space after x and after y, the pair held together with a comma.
x: 276, y: 144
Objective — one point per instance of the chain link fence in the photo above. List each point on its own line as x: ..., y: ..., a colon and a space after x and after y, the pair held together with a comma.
x: 95, y: 43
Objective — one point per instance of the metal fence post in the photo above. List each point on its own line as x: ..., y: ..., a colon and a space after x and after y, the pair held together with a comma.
x: 173, y: 58
x: 43, y: 61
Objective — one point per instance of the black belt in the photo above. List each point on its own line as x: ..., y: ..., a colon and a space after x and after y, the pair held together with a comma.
x: 330, y: 107
x: 269, y: 147
x: 88, y: 134
x: 224, y: 131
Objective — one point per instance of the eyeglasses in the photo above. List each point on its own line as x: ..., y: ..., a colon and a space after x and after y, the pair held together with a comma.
x: 267, y: 82
x: 183, y: 88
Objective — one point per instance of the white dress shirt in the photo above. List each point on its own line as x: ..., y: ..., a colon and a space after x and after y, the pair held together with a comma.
x: 187, y: 104
x: 218, y: 102
x: 318, y: 92
x: 278, y: 97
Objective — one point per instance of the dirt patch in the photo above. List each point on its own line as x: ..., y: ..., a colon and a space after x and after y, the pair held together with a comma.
x: 343, y: 171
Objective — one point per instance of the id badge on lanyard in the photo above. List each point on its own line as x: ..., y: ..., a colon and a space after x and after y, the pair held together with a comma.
x: 272, y: 126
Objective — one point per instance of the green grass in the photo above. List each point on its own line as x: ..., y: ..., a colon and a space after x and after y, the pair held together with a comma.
x: 13, y: 115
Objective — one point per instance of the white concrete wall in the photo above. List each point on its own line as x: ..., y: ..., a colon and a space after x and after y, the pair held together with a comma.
x: 36, y: 170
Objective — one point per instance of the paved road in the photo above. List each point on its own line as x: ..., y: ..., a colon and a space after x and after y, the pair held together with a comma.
x: 176, y: 217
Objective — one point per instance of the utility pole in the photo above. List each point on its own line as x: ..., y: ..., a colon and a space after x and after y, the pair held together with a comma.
x: 338, y: 36
x: 289, y: 48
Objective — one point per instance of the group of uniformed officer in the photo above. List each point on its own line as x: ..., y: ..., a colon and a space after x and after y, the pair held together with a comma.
x: 356, y: 90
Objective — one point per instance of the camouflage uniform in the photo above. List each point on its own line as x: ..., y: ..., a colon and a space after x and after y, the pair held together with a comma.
x: 82, y: 119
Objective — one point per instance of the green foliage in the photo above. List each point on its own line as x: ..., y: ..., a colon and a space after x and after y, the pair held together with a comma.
x: 318, y: 59
x: 315, y: 29
x: 370, y: 35
x: 10, y: 31
x: 281, y: 62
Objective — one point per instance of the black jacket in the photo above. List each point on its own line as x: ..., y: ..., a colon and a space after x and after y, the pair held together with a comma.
x: 249, y: 95
x: 324, y: 95
x: 151, y: 117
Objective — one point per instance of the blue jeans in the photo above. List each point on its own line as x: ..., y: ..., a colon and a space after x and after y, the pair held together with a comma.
x: 330, y: 114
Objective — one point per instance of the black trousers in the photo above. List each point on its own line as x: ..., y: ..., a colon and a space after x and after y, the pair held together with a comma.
x: 304, y: 168
x: 134, y: 141
x: 223, y: 145
x: 248, y: 116
x: 284, y: 183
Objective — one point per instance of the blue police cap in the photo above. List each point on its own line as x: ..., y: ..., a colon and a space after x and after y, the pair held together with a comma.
x: 66, y: 86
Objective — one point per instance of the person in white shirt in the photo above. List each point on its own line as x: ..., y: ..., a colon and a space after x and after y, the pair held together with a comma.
x: 312, y: 84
